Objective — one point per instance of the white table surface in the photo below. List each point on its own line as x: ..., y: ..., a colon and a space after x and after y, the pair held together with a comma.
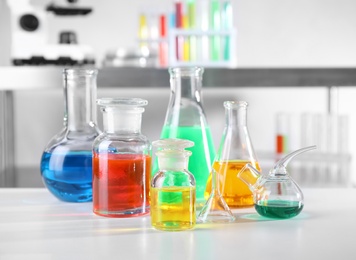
x: 35, y: 225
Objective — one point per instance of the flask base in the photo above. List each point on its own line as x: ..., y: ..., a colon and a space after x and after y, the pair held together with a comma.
x: 279, y: 209
x: 70, y: 192
x: 128, y: 213
x: 173, y: 225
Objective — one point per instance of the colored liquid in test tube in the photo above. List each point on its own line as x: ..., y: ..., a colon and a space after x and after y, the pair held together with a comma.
x: 202, y: 23
x: 215, y: 24
x: 282, y: 132
x: 163, y: 46
x: 191, y: 24
x: 179, y: 25
x: 143, y: 31
x: 226, y: 26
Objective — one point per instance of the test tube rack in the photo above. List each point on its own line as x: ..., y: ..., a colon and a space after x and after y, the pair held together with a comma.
x: 195, y: 33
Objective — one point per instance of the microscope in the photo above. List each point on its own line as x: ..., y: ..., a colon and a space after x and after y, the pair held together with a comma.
x: 29, y: 29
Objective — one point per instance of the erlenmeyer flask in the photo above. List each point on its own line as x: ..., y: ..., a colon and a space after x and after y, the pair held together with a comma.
x: 234, y: 153
x: 185, y: 119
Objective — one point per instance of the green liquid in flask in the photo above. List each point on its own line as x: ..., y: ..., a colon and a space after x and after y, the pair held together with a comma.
x: 279, y: 209
x: 202, y: 157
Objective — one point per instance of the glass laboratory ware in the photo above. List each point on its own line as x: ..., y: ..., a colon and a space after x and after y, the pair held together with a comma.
x: 234, y: 153
x: 215, y: 209
x: 185, y: 119
x: 173, y: 187
x: 121, y: 160
x: 276, y: 195
x: 66, y: 164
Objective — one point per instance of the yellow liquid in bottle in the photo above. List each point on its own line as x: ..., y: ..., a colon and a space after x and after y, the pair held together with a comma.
x: 173, y: 208
x: 235, y: 192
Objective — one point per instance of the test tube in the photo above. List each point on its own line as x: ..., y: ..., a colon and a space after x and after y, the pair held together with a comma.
x: 215, y: 25
x: 344, y: 163
x: 227, y: 22
x: 282, y: 133
x: 186, y: 39
x: 191, y: 6
x: 143, y: 30
x: 163, y: 46
x: 153, y: 25
x: 179, y: 24
x: 202, y: 21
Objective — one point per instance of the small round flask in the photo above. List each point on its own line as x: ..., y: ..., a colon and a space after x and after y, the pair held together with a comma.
x: 66, y: 164
x: 121, y: 160
x: 173, y: 187
x: 276, y: 195
x: 235, y: 151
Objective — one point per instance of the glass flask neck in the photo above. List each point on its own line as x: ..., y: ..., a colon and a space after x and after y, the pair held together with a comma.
x: 236, y: 113
x: 186, y: 83
x: 185, y: 104
x: 80, y: 95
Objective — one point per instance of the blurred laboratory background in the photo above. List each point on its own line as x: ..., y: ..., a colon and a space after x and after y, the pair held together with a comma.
x: 301, y: 38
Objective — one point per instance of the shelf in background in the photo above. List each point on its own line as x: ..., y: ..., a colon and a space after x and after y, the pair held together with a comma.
x: 17, y: 78
x: 239, y: 77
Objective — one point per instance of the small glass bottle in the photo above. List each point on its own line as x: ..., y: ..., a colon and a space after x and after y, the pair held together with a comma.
x: 173, y: 187
x: 235, y: 151
x: 66, y: 164
x: 185, y: 119
x: 121, y: 160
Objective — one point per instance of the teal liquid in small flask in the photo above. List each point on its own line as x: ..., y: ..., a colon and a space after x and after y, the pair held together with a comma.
x: 276, y: 194
x: 185, y: 119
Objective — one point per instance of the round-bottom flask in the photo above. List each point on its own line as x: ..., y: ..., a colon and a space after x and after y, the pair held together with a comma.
x: 173, y: 187
x: 66, y: 163
x: 276, y: 195
x: 121, y: 160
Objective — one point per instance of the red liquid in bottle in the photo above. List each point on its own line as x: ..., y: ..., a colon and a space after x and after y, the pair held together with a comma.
x: 121, y: 184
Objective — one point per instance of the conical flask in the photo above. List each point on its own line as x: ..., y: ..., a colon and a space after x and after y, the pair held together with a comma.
x: 235, y: 151
x: 276, y: 195
x: 66, y: 164
x: 185, y: 119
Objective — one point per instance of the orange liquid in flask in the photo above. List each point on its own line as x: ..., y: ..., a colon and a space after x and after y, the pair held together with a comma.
x: 235, y: 192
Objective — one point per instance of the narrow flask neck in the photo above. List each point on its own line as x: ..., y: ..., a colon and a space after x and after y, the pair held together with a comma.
x: 236, y: 116
x: 186, y: 88
x: 116, y: 121
x: 185, y: 104
x: 80, y: 95
x: 186, y: 83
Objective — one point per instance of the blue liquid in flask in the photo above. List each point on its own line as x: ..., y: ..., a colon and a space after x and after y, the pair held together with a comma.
x: 68, y: 175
